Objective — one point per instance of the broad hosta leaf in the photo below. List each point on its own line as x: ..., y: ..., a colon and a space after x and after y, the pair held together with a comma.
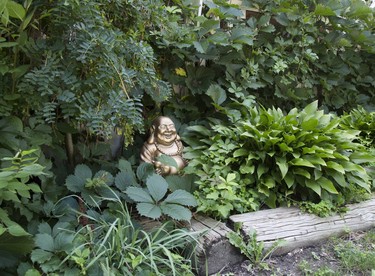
x: 302, y: 172
x: 289, y: 179
x: 351, y: 167
x: 317, y: 174
x: 181, y: 197
x: 327, y: 185
x: 271, y: 200
x: 283, y: 166
x: 359, y: 181
x: 313, y: 185
x: 176, y: 211
x: 311, y: 108
x: 310, y: 124
x: 338, y: 177
x: 139, y: 195
x: 157, y: 186
x: 302, y: 162
x: 17, y: 230
x: 335, y: 166
x: 362, y: 157
x: 149, y: 210
x: 314, y: 159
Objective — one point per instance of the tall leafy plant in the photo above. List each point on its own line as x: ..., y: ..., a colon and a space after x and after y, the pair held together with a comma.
x: 18, y: 193
x: 286, y: 53
x: 273, y: 157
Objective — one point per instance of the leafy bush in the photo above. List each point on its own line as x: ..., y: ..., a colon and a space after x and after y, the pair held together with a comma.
x: 17, y: 194
x: 266, y: 156
x: 153, y: 201
x: 285, y: 53
x: 112, y: 243
x: 364, y: 121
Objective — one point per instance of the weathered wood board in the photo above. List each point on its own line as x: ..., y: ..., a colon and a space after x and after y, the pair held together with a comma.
x: 299, y: 229
x: 214, y: 251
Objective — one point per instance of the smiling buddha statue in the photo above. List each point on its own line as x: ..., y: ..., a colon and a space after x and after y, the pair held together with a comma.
x: 163, y: 140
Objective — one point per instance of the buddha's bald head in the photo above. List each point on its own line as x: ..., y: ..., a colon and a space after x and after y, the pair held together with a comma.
x: 163, y: 130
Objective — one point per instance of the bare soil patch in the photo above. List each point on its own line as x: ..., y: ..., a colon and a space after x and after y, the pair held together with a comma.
x: 319, y: 259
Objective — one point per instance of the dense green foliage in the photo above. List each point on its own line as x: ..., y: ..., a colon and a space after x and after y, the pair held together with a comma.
x: 363, y: 121
x: 265, y: 156
x: 111, y: 243
x: 81, y: 80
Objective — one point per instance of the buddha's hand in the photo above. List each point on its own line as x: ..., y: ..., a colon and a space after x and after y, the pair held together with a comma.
x: 161, y: 169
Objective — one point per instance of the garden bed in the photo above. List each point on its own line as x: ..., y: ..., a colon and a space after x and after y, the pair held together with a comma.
x: 297, y: 229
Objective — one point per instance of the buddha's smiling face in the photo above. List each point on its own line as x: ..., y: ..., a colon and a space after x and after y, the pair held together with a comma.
x: 165, y: 131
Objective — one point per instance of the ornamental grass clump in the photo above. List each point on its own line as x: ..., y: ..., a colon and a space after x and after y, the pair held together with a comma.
x: 113, y: 243
x: 262, y: 156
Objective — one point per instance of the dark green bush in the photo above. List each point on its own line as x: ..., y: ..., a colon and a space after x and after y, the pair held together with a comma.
x: 364, y: 121
x: 266, y: 156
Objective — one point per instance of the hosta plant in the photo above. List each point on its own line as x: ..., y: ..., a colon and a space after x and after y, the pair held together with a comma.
x: 275, y: 157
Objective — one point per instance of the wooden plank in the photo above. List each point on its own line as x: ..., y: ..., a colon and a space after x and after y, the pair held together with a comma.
x: 214, y: 252
x: 299, y: 229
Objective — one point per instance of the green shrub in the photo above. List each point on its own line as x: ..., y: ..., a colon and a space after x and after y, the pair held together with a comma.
x: 18, y: 191
x: 159, y: 198
x: 266, y: 156
x: 364, y: 121
x: 112, y: 244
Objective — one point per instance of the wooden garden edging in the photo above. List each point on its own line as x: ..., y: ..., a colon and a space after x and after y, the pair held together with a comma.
x: 297, y: 229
